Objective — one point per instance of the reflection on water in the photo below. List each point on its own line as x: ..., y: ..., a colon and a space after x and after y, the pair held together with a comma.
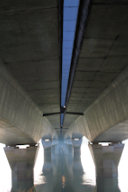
x: 66, y: 174
x: 63, y: 173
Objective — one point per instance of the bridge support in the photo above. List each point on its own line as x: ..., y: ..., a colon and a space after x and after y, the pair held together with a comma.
x: 22, y: 163
x: 47, y: 144
x: 106, y: 159
x: 77, y: 166
x: 76, y: 142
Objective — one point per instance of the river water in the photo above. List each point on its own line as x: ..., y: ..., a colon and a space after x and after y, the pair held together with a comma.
x: 66, y: 174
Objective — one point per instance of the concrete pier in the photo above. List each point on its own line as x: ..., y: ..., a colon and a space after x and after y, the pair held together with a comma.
x: 47, y: 144
x: 47, y: 170
x: 22, y: 163
x: 76, y: 143
x: 76, y: 163
x: 106, y: 159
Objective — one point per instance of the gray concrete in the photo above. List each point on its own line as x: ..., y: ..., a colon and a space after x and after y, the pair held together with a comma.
x: 47, y: 167
x: 102, y: 58
x: 22, y: 163
x: 76, y: 143
x: 21, y: 121
x: 29, y: 47
x: 47, y: 145
x: 106, y: 119
x: 106, y: 159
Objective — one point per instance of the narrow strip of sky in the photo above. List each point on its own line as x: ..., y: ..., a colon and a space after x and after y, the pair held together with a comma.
x: 70, y: 12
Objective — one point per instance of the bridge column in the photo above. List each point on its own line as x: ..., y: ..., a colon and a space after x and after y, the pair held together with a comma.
x: 106, y: 159
x: 77, y: 166
x: 76, y: 143
x: 22, y: 163
x: 47, y: 144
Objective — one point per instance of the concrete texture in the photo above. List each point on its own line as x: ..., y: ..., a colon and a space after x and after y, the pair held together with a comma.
x: 21, y: 122
x: 76, y: 143
x: 47, y: 141
x: 106, y: 159
x: 30, y: 49
x: 22, y: 163
x: 106, y: 119
x: 103, y: 54
x: 47, y: 145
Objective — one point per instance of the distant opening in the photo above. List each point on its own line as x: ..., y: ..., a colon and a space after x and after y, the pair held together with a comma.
x: 22, y: 146
x: 105, y: 143
x: 76, y: 139
x: 38, y: 166
x: 5, y: 171
x: 87, y: 163
x: 123, y: 169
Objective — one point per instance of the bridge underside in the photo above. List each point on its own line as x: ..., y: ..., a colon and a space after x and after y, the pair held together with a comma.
x: 99, y: 90
x: 106, y: 119
x: 30, y: 49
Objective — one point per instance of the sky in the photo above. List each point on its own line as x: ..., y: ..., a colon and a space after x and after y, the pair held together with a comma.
x: 70, y: 12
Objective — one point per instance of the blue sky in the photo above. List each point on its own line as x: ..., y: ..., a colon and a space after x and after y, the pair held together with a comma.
x: 70, y: 12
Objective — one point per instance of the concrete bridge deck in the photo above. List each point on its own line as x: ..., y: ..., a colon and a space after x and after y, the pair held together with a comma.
x: 32, y: 37
x: 31, y: 48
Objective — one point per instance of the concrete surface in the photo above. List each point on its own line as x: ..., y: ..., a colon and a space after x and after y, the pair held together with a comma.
x: 106, y: 119
x: 30, y: 49
x: 106, y: 159
x: 22, y: 163
x: 103, y: 54
x: 76, y: 144
x: 21, y: 122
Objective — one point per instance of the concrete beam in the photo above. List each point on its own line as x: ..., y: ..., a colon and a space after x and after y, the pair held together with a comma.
x: 21, y: 122
x: 106, y: 119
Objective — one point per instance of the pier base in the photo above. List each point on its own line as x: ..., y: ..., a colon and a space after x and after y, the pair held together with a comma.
x: 22, y: 163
